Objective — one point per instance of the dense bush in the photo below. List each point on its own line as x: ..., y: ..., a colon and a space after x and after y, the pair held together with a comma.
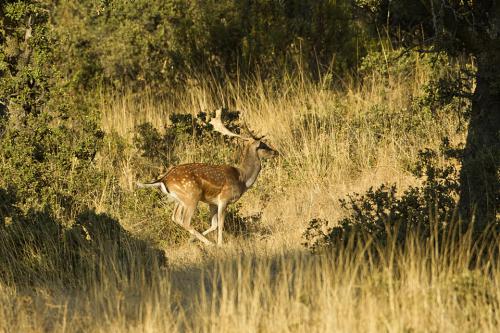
x: 235, y: 223
x: 381, y: 213
x: 49, y: 138
x: 160, y: 43
x: 50, y: 134
x: 161, y: 148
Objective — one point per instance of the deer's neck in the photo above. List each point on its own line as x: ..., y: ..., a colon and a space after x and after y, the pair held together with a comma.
x: 250, y: 167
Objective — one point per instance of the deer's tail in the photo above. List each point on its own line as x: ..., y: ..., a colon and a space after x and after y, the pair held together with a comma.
x: 155, y: 183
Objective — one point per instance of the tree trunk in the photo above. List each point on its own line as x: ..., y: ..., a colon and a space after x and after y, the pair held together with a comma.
x: 479, y: 178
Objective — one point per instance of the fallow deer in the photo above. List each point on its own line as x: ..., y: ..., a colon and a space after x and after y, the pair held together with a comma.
x: 216, y: 185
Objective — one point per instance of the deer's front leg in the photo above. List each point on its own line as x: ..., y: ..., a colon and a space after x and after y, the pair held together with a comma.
x: 221, y: 213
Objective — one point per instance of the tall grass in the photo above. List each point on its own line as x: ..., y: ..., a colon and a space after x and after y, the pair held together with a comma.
x: 420, y: 288
x: 332, y: 142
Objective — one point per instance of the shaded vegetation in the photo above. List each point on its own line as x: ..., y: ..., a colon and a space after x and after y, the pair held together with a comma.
x: 469, y: 28
x: 383, y: 217
x: 36, y: 250
x: 163, y: 43
x: 97, y: 94
x: 161, y: 148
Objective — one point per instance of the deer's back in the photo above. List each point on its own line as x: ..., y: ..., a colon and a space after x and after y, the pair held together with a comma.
x: 206, y: 180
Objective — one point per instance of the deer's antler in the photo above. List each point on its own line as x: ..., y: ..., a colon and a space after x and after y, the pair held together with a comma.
x: 251, y: 133
x: 219, y: 126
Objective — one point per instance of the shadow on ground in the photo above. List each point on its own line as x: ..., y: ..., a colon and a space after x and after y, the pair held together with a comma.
x: 96, y: 269
x: 37, y: 250
x: 204, y: 279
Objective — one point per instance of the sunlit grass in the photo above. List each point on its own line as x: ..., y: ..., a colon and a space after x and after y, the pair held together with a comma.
x: 332, y: 142
x: 254, y: 288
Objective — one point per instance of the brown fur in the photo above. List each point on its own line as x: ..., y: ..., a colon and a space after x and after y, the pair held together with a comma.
x: 208, y: 181
x: 217, y: 185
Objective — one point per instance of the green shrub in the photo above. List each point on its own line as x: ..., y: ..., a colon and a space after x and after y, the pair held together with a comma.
x: 381, y: 213
x: 235, y: 223
x: 162, y: 148
x: 133, y: 44
x: 450, y: 91
x: 147, y: 214
x: 49, y: 134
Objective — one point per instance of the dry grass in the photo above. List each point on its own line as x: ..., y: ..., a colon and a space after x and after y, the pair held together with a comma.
x: 256, y: 288
x: 332, y: 142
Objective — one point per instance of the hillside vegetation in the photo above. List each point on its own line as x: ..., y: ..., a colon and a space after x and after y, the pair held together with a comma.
x: 97, y: 95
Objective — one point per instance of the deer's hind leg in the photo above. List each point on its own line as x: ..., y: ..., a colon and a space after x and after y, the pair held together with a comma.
x: 187, y: 214
x: 213, y: 219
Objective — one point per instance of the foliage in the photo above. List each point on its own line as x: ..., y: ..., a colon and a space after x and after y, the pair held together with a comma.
x: 235, y: 223
x: 50, y: 134
x: 161, y: 148
x: 467, y: 28
x: 388, y: 62
x: 380, y: 212
x: 131, y: 44
x: 450, y: 87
